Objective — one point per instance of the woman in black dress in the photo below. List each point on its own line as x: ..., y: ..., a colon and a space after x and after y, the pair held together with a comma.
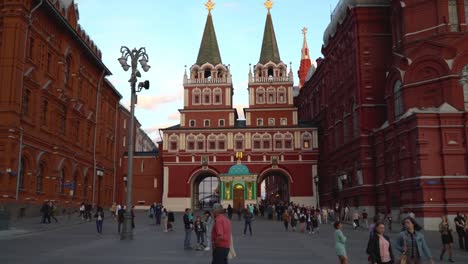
x: 447, y: 238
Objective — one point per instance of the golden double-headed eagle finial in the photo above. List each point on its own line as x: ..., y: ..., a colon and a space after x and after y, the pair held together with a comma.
x: 210, y: 5
x: 268, y: 4
x: 304, y: 30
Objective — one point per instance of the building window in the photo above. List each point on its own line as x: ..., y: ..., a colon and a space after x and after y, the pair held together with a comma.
x: 196, y: 96
x: 221, y: 122
x: 85, y: 187
x: 192, y: 123
x: 282, y: 95
x: 398, y: 100
x: 221, y: 142
x: 288, y: 141
x: 31, y: 48
x: 453, y: 15
x: 125, y: 124
x: 271, y: 121
x: 26, y: 99
x: 271, y: 95
x: 62, y: 181
x: 206, y: 96
x: 239, y: 145
x: 278, y: 141
x: 21, y: 174
x: 284, y: 121
x: 206, y: 123
x: 40, y: 178
x: 173, y: 143
x: 217, y: 96
x: 44, y: 110
x: 257, y: 142
x: 201, y: 143
x: 63, y: 119
x: 260, y: 96
x: 259, y: 121
x: 67, y: 70
x: 173, y: 146
x: 307, y: 141
x: 191, y: 145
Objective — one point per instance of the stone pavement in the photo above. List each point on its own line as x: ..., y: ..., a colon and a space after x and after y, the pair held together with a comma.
x: 79, y: 243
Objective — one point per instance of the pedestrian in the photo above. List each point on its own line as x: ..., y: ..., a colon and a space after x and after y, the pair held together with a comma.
x: 45, y: 213
x: 82, y: 211
x: 157, y: 213
x: 229, y: 211
x: 164, y: 219
x: 379, y: 247
x: 411, y: 243
x: 389, y: 221
x: 188, y: 226
x: 346, y: 214
x: 120, y: 218
x: 117, y: 212
x: 209, y: 222
x: 447, y: 238
x: 365, y: 219
x: 170, y: 221
x: 460, y: 227
x: 325, y: 215
x: 302, y: 220
x: 200, y: 230
x: 294, y: 220
x: 221, y: 236
x: 248, y: 216
x: 99, y: 219
x: 286, y: 220
x: 340, y: 243
x: 315, y: 223
x: 113, y: 209
x: 309, y: 221
x: 355, y: 219
x: 52, y: 212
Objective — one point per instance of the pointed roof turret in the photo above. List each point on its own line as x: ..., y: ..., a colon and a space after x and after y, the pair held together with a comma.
x: 270, y: 50
x: 209, y: 50
x: 305, y: 47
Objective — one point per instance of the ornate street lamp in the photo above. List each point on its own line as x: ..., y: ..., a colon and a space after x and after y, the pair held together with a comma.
x: 316, y: 180
x: 135, y: 56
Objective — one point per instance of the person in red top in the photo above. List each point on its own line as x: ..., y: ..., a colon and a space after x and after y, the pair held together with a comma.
x: 220, y: 235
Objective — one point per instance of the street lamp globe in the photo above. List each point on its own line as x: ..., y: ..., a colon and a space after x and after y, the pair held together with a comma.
x: 146, y: 67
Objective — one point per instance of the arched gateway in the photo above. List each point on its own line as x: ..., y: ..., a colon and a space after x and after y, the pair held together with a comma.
x: 205, y: 190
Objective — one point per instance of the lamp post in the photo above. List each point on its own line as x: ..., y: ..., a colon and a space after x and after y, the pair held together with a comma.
x: 135, y: 56
x: 316, y: 180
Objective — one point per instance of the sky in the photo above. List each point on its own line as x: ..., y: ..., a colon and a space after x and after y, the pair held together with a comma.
x: 171, y: 32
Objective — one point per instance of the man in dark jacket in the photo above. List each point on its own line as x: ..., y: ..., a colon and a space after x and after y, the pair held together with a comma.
x: 120, y: 218
x: 157, y: 213
x: 188, y: 226
x: 45, y: 213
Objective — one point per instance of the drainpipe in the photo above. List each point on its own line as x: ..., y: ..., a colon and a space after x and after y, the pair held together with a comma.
x: 115, y: 150
x: 20, y: 148
x: 98, y: 97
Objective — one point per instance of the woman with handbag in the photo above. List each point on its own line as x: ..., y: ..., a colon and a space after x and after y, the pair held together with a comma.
x: 447, y: 238
x: 411, y: 244
x: 379, y: 247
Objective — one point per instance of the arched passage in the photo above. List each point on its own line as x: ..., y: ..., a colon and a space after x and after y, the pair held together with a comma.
x: 205, y: 190
x: 274, y: 187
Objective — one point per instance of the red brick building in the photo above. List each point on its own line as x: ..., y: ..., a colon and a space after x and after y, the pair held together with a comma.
x: 390, y: 107
x: 273, y: 141
x: 59, y: 113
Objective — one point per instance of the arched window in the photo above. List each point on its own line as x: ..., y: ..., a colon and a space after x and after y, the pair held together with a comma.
x: 278, y: 138
x: 288, y: 141
x: 40, y: 177
x: 85, y: 187
x: 191, y: 143
x: 271, y: 95
x: 239, y: 142
x: 212, y: 142
x: 260, y: 95
x: 200, y: 142
x: 257, y: 141
x: 206, y: 96
x: 221, y: 142
x: 75, y: 182
x: 270, y: 72
x: 62, y: 181
x: 196, y: 96
x: 22, y: 174
x: 282, y: 95
x: 173, y: 143
x: 306, y: 141
x: 207, y: 73
x: 453, y: 15
x: 398, y: 100
x: 217, y: 97
x: 266, y: 141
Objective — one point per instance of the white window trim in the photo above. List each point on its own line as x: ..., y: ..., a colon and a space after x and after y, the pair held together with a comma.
x: 260, y: 119
x: 204, y: 123
x: 198, y: 92
x: 271, y: 123
x: 285, y: 123
x: 224, y: 122
x: 194, y: 123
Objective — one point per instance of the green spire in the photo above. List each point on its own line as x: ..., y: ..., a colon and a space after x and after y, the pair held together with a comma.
x: 270, y: 50
x: 209, y: 50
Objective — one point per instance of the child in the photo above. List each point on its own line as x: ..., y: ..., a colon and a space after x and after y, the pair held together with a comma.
x: 200, y: 230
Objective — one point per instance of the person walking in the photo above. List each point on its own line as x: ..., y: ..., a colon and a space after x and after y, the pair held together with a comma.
x: 460, y: 227
x: 302, y: 220
x: 294, y: 220
x: 113, y: 210
x: 52, y: 212
x: 209, y: 222
x: 315, y: 223
x: 447, y: 238
x: 286, y: 220
x: 188, y: 226
x: 82, y: 211
x: 200, y: 229
x: 411, y: 243
x: 120, y: 218
x: 355, y: 219
x: 164, y: 218
x: 248, y: 216
x: 157, y: 213
x: 170, y: 221
x: 221, y: 236
x: 99, y: 219
x: 45, y: 213
x: 379, y: 247
x: 229, y: 211
x: 340, y: 243
x: 132, y: 213
x: 365, y: 218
